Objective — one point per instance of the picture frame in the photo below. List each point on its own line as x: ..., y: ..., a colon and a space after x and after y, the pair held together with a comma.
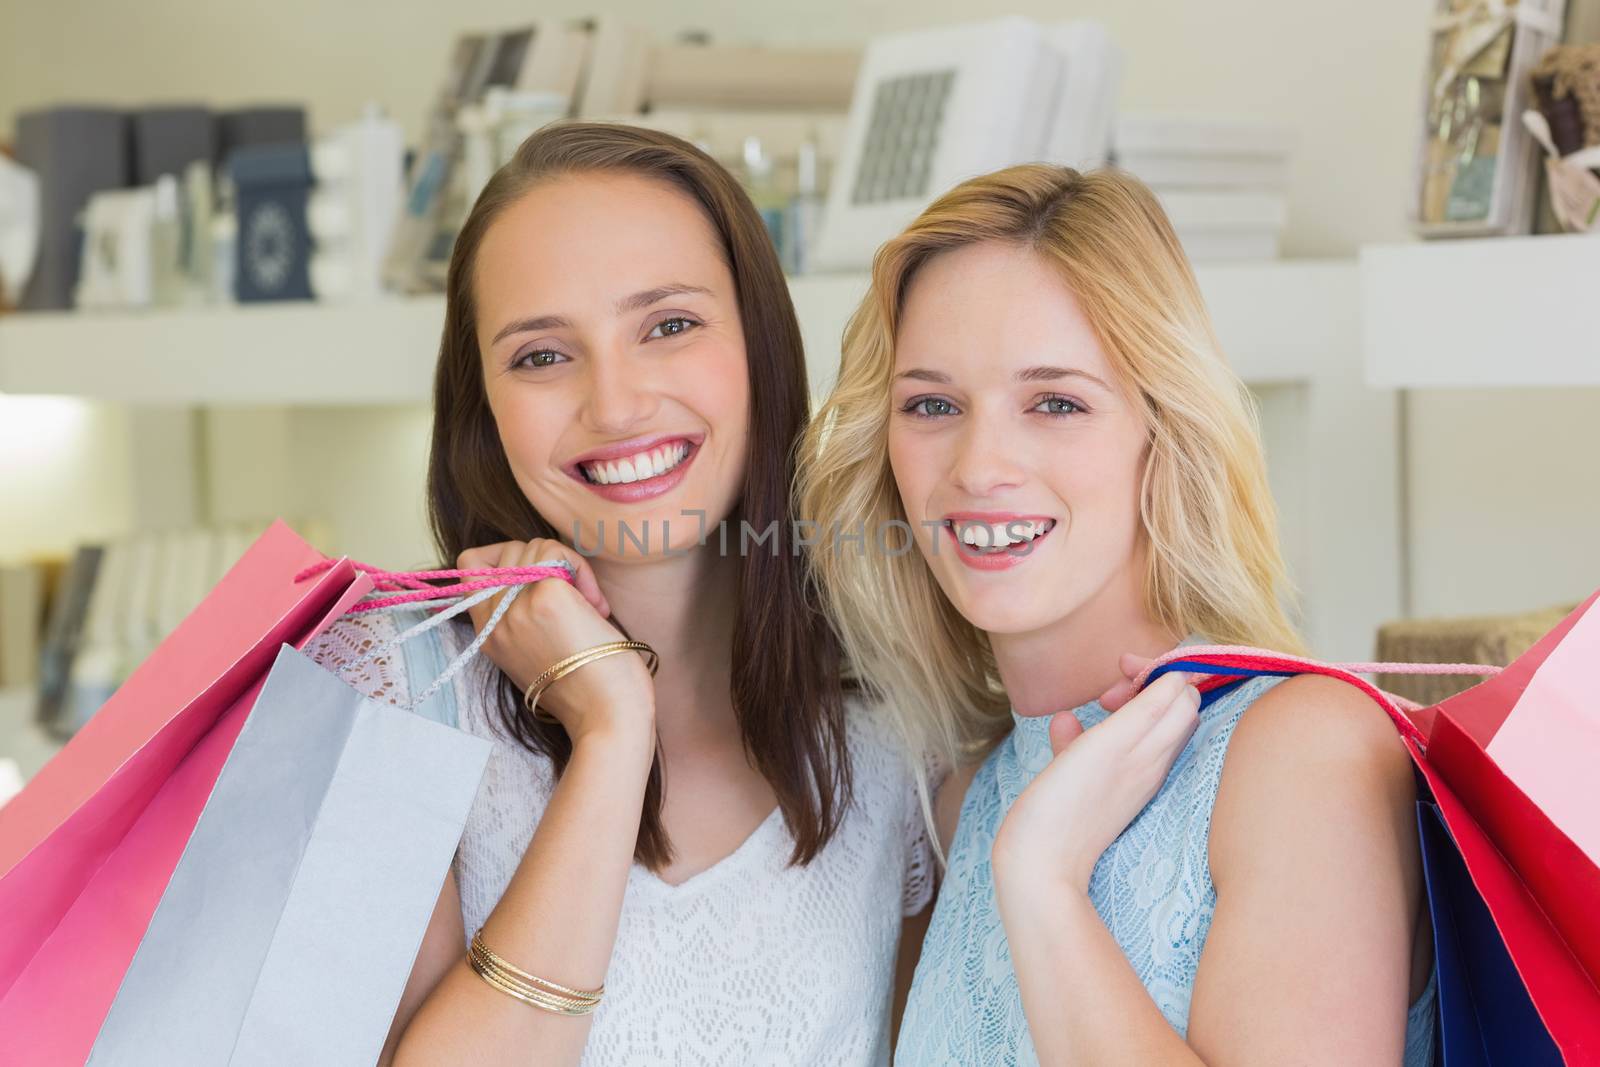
x: 1476, y: 168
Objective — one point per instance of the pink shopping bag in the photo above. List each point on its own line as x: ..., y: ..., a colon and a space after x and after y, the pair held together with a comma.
x: 88, y: 847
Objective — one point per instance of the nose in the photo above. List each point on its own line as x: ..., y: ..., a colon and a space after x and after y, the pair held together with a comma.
x: 621, y: 394
x: 983, y: 462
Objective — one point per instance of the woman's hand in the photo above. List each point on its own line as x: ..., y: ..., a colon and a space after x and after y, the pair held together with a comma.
x: 1099, y: 780
x: 550, y: 621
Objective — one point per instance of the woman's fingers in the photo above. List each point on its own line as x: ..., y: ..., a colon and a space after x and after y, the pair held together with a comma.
x: 543, y: 550
x: 531, y: 554
x: 484, y: 556
x: 1064, y: 729
x: 1119, y: 694
x: 1142, y: 711
x: 1177, y: 722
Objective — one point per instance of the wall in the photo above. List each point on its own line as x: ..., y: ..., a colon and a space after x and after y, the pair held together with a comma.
x: 1346, y: 76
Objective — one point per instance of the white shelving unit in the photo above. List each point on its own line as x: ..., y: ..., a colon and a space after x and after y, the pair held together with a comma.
x: 1498, y: 312
x: 253, y: 354
x: 1290, y: 329
x: 383, y: 352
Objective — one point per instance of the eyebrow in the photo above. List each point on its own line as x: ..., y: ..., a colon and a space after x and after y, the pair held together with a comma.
x: 1027, y: 374
x: 637, y: 302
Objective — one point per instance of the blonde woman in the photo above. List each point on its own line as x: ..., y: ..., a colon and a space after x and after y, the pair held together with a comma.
x: 1032, y: 389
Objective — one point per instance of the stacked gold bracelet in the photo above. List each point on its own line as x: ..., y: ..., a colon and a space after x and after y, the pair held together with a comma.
x: 529, y: 988
x: 564, y: 667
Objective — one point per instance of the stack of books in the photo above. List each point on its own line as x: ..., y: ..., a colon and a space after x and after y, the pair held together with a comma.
x: 1223, y: 183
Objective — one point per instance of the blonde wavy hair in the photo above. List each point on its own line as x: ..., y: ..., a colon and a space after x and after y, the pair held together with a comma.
x: 1215, y: 566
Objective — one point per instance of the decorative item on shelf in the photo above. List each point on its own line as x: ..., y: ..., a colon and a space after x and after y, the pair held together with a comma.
x: 272, y: 256
x: 760, y: 182
x: 166, y: 139
x: 634, y: 75
x: 1566, y: 85
x: 359, y: 174
x: 493, y: 130
x: 803, y: 217
x: 198, y: 207
x: 64, y: 633
x: 1475, y: 163
x: 932, y: 107
x: 20, y: 224
x: 259, y: 124
x: 435, y: 202
x: 789, y: 180
x: 133, y: 248
x: 75, y: 152
x: 1223, y: 183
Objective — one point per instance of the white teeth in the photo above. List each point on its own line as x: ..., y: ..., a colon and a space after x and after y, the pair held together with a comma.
x: 1000, y: 536
x: 637, y: 468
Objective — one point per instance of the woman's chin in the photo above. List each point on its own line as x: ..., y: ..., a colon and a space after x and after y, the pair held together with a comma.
x: 1003, y: 611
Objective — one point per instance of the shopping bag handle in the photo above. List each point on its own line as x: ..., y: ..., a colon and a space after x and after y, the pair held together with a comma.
x: 1226, y: 665
x: 464, y: 595
x: 421, y: 591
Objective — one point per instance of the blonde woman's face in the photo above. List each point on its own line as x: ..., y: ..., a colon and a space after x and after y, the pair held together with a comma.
x: 614, y: 361
x: 1017, y: 455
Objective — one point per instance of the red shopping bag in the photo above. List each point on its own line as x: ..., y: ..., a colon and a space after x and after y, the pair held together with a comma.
x: 87, y: 848
x: 1546, y: 895
x: 1540, y: 887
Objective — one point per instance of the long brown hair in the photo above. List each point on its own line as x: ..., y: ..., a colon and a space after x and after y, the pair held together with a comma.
x: 786, y: 688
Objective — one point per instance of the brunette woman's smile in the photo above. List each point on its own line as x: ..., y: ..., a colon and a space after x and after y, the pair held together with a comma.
x: 640, y: 468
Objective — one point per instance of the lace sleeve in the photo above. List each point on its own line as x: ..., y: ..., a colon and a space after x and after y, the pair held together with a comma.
x: 349, y: 638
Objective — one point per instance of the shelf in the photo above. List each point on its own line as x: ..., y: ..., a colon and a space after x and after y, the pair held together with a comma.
x: 383, y: 352
x: 1505, y: 311
x: 267, y: 354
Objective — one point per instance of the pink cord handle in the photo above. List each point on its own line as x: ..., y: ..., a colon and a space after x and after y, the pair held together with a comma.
x: 417, y: 581
x: 1225, y: 661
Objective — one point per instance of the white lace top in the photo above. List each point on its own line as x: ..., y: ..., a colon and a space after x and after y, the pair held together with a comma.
x: 751, y: 961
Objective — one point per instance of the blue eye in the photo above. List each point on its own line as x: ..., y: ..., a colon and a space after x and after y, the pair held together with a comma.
x: 929, y: 407
x: 679, y: 324
x: 1058, y: 405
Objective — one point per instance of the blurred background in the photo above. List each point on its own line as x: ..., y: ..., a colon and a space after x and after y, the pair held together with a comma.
x: 223, y: 227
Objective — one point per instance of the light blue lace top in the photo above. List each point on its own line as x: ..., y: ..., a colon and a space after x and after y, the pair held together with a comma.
x: 1152, y: 888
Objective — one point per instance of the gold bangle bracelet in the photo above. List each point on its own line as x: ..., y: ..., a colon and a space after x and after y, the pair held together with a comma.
x: 532, y: 979
x: 561, y: 668
x: 518, y: 993
x: 533, y: 995
x: 509, y: 980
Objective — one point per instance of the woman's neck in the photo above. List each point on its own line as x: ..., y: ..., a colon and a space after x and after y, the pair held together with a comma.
x: 684, y: 607
x: 1078, y: 657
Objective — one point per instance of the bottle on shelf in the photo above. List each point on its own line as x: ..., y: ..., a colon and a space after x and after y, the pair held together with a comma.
x: 801, y: 222
x: 760, y: 181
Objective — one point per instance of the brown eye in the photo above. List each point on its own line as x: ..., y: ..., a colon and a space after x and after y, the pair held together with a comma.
x: 672, y: 327
x: 538, y: 357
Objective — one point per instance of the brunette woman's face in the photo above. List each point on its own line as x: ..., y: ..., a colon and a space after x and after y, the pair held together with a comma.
x: 1017, y: 456
x: 614, y: 361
